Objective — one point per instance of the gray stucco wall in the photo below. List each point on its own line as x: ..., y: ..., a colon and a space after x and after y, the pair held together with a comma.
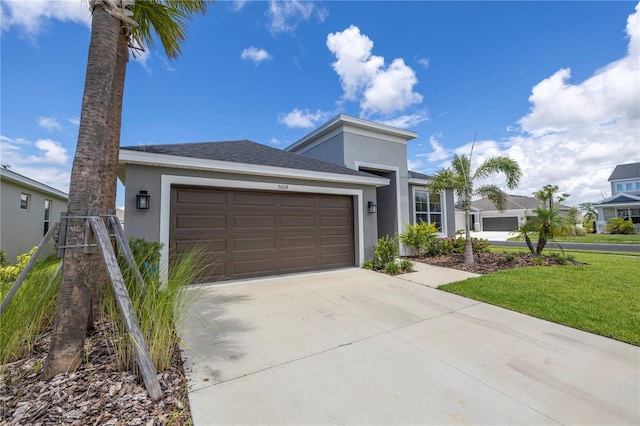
x: 331, y: 150
x: 146, y: 223
x: 23, y: 229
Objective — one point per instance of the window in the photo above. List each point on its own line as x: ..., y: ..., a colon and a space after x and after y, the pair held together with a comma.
x: 637, y: 186
x: 629, y: 186
x: 618, y: 187
x: 428, y: 210
x: 24, y: 201
x: 47, y: 215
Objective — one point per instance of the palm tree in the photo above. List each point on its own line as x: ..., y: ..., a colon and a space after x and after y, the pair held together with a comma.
x: 97, y: 150
x: 74, y: 297
x: 167, y: 19
x: 460, y: 179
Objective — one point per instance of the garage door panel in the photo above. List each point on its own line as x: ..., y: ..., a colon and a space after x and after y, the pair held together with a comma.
x: 187, y: 195
x: 253, y: 222
x: 336, y: 202
x: 253, y: 199
x: 298, y: 201
x: 298, y: 242
x: 201, y: 221
x: 259, y: 233
x: 254, y: 266
x: 248, y: 244
x: 297, y: 221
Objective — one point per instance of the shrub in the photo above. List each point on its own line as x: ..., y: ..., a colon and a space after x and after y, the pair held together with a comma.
x: 456, y: 245
x: 385, y: 251
x: 509, y: 257
x: 384, y: 258
x: 9, y: 273
x: 620, y: 225
x: 420, y: 237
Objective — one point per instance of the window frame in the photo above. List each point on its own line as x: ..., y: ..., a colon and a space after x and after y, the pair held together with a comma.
x: 428, y: 213
x: 47, y: 215
x: 25, y: 201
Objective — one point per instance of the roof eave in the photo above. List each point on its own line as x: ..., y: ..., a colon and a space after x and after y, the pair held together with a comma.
x: 343, y: 119
x: 180, y: 162
x: 17, y: 178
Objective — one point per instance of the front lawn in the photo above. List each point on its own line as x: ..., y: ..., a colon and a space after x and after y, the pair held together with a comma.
x: 602, y: 297
x: 590, y: 239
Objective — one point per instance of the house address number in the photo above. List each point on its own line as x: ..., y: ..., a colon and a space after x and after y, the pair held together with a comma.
x: 283, y: 187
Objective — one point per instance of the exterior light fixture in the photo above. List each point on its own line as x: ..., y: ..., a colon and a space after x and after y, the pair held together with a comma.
x: 373, y: 207
x: 142, y: 200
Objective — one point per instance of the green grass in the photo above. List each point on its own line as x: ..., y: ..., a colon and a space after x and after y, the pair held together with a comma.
x: 31, y: 311
x: 602, y: 297
x: 590, y: 239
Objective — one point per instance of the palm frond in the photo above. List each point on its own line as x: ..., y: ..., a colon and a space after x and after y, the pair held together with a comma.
x: 496, y: 195
x: 504, y: 165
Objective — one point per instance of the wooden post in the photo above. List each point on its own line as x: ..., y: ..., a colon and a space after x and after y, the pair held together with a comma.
x: 126, y: 251
x: 32, y: 261
x: 147, y: 369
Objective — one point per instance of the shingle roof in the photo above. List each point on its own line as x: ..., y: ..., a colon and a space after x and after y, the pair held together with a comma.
x: 514, y: 202
x: 247, y: 152
x: 625, y: 171
x: 416, y: 175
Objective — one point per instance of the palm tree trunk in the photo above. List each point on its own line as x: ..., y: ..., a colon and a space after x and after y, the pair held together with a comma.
x: 74, y: 297
x: 468, y: 248
x: 109, y: 185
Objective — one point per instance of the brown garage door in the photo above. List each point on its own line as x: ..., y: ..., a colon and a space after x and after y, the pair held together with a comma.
x: 257, y: 233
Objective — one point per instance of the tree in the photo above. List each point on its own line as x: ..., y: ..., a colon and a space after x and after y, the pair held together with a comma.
x: 545, y: 220
x: 94, y: 171
x: 460, y: 179
x: 589, y: 217
x: 74, y: 297
x: 574, y: 217
x: 167, y: 20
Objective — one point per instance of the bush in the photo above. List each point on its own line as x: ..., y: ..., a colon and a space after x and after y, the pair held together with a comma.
x: 385, y: 251
x: 384, y: 258
x: 421, y: 237
x: 456, y: 245
x: 10, y: 273
x: 620, y: 225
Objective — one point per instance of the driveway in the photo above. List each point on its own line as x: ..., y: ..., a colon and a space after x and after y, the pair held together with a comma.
x: 357, y: 347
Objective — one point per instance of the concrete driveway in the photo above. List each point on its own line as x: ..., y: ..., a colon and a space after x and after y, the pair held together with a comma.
x: 357, y: 347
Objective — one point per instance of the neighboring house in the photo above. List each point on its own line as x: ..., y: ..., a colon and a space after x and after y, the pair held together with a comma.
x: 321, y: 203
x: 625, y: 196
x: 485, y: 216
x: 27, y: 209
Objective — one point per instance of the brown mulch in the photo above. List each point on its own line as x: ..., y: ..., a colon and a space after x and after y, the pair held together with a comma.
x: 486, y: 263
x: 96, y: 393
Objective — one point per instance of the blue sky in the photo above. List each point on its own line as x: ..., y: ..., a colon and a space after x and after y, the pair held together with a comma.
x: 554, y: 85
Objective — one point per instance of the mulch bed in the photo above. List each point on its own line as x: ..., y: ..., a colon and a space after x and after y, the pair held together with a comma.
x: 486, y: 263
x: 95, y: 394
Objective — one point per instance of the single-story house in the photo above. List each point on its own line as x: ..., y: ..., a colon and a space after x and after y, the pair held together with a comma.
x: 625, y: 196
x: 320, y: 203
x: 485, y: 216
x: 27, y: 209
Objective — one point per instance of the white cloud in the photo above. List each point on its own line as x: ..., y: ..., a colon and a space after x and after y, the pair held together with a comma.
x: 303, y: 118
x: 407, y: 121
x: 362, y: 74
x: 47, y: 163
x: 285, y: 16
x: 141, y: 54
x: 275, y: 141
x: 575, y: 133
x: 254, y: 54
x: 75, y: 121
x: 238, y: 5
x: 49, y: 123
x: 424, y: 62
x: 31, y: 16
